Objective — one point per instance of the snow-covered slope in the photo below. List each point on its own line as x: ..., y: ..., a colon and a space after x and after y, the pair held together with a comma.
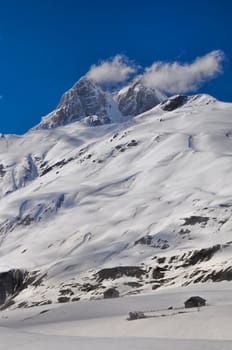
x: 104, y: 325
x: 135, y: 205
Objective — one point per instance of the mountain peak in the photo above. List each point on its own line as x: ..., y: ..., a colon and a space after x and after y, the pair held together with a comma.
x: 84, y: 99
x: 136, y: 98
x: 87, y: 101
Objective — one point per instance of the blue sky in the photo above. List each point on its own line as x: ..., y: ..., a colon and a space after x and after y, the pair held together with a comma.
x: 47, y: 45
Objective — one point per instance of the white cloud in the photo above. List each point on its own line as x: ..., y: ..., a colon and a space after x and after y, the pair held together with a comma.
x: 114, y: 70
x: 175, y: 77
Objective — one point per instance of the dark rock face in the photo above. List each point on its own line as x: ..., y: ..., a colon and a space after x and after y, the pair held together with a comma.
x: 84, y: 99
x: 137, y: 98
x: 117, y: 272
x: 147, y: 240
x: 218, y: 276
x: 98, y: 120
x: 11, y: 282
x: 173, y: 103
x: 193, y: 220
x: 2, y: 170
x: 201, y: 255
x: 156, y: 286
x: 158, y: 272
x: 63, y: 299
x: 150, y: 241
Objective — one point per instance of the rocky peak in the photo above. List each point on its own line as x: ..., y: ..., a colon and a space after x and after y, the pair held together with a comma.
x: 87, y: 100
x: 137, y: 98
x: 84, y: 99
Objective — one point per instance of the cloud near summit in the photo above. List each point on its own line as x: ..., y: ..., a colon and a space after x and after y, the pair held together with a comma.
x: 168, y: 77
x: 115, y: 70
x: 175, y: 77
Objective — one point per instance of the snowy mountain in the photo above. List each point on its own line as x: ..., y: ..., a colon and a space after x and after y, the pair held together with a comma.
x: 87, y: 101
x: 136, y: 205
x: 136, y: 98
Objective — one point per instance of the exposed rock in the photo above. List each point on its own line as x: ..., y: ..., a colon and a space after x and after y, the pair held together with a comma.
x: 84, y: 99
x: 96, y: 120
x: 88, y: 287
x: 137, y: 98
x: 174, y: 102
x: 193, y: 220
x: 117, y: 272
x: 44, y: 312
x: 2, y: 170
x: 147, y: 240
x: 11, y: 282
x: 75, y: 299
x: 184, y: 232
x: 152, y: 242
x: 155, y: 286
x: 218, y: 276
x: 63, y: 299
x: 158, y: 272
x: 201, y: 255
x: 67, y: 291
x: 133, y: 284
x: 132, y: 143
x: 161, y: 260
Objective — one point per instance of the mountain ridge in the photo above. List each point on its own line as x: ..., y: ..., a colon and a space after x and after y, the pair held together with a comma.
x: 136, y: 205
x: 86, y: 100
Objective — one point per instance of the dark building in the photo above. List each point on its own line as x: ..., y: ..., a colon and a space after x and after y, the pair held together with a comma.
x: 195, y: 302
x: 111, y: 293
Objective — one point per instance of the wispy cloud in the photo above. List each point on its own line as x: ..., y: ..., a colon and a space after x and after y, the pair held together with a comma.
x: 175, y: 77
x: 114, y: 70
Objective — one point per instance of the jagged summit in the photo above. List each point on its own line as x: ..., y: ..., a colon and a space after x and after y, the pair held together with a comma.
x: 136, y: 98
x: 84, y: 99
x: 87, y: 101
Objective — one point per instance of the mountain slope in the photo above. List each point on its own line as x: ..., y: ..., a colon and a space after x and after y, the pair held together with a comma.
x: 136, y: 205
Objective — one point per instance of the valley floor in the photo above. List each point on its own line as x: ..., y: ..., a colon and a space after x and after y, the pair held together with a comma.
x: 103, y: 324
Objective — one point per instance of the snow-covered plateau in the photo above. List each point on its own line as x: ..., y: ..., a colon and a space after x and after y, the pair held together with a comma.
x: 104, y: 324
x: 97, y: 199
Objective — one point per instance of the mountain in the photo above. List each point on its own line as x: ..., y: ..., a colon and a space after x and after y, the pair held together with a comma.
x: 137, y: 205
x: 87, y: 101
x: 136, y: 98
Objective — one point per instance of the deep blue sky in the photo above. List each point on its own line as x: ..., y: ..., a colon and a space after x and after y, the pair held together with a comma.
x: 46, y: 45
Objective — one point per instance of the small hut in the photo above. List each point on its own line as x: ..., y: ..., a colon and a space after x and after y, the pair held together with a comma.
x: 111, y: 293
x: 135, y: 315
x: 195, y: 302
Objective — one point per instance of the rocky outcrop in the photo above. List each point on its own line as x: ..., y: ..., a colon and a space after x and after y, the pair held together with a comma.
x: 11, y: 282
x: 201, y: 255
x: 173, y: 103
x: 84, y: 99
x: 151, y: 241
x: 117, y: 272
x: 137, y: 98
x: 87, y: 100
x: 193, y: 220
